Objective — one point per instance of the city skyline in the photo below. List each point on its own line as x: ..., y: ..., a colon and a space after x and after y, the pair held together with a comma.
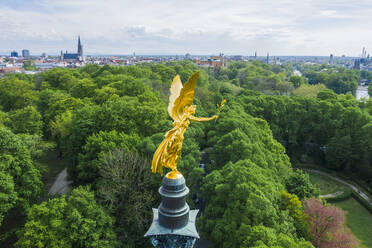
x: 165, y: 27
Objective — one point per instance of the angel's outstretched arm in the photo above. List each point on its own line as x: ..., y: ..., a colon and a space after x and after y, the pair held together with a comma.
x: 202, y: 119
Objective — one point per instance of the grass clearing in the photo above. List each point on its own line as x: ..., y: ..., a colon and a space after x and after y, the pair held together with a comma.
x: 326, y: 184
x: 359, y: 220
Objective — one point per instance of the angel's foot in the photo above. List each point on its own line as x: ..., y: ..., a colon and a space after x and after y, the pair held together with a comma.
x: 174, y: 174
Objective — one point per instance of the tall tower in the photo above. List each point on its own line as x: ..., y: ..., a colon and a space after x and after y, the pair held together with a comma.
x: 331, y: 59
x: 80, y: 48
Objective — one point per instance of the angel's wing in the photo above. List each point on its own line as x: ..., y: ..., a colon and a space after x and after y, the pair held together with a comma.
x: 185, y: 97
x: 175, y: 91
x: 157, y: 165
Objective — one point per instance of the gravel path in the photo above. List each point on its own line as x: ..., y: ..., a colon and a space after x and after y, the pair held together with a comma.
x: 355, y: 189
x: 61, y: 185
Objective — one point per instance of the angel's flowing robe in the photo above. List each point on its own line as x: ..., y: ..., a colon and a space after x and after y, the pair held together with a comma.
x: 169, y: 150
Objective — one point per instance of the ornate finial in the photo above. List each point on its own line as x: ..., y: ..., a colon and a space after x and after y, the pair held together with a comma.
x: 182, y: 111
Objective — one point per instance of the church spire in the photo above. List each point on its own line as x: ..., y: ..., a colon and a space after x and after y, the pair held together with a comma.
x: 80, y: 48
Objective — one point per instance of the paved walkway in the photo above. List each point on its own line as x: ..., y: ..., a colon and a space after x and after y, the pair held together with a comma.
x: 355, y: 189
x: 61, y: 185
x: 332, y: 195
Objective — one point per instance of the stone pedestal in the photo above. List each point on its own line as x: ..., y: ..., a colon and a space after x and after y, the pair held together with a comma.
x: 173, y: 225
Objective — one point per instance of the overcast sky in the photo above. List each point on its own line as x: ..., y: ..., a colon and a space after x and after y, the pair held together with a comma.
x: 281, y: 27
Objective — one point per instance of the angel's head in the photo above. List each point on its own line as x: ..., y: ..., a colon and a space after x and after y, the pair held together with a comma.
x: 190, y: 110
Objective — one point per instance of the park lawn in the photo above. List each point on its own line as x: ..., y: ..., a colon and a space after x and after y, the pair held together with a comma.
x: 325, y: 184
x: 359, y: 220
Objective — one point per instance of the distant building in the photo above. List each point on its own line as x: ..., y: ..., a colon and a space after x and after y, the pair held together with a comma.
x: 277, y: 61
x: 267, y: 58
x: 213, y: 61
x: 357, y: 64
x: 11, y: 69
x: 364, y: 53
x: 44, y: 55
x: 25, y: 53
x: 13, y: 54
x: 74, y: 56
x: 187, y: 56
x: 237, y: 58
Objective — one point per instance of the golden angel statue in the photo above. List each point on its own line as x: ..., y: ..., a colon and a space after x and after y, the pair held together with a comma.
x: 181, y: 110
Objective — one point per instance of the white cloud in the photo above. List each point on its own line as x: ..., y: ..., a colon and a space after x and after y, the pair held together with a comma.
x: 335, y: 14
x: 196, y: 26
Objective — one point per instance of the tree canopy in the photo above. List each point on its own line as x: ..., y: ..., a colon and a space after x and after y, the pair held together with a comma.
x: 106, y: 122
x: 68, y: 221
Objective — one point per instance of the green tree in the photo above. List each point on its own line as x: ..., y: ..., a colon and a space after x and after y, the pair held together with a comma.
x: 3, y: 117
x: 284, y: 88
x: 338, y: 152
x: 102, y: 95
x: 83, y: 124
x: 343, y: 81
x: 166, y: 73
x: 129, y: 190
x: 248, y: 171
x: 8, y: 194
x: 26, y: 120
x: 16, y: 94
x: 240, y: 198
x: 129, y: 86
x: 293, y: 205
x: 327, y: 95
x: 83, y: 88
x: 266, y: 237
x: 365, y: 171
x: 299, y: 184
x: 309, y: 90
x: 59, y: 105
x: 16, y: 163
x: 97, y: 144
x: 60, y: 78
x: 238, y: 135
x: 297, y: 81
x: 37, y: 146
x: 328, y: 129
x: 72, y: 222
x: 28, y: 65
x: 61, y: 129
x: 144, y: 115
